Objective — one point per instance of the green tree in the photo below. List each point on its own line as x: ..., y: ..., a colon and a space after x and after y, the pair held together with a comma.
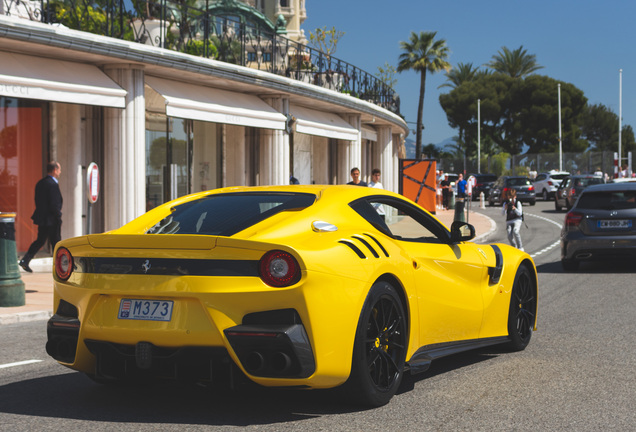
x: 516, y: 64
x: 326, y: 40
x: 431, y: 151
x: 386, y: 74
x: 464, y: 72
x: 600, y: 127
x: 422, y: 54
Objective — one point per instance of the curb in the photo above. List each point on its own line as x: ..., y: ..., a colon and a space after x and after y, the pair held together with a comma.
x: 23, y: 317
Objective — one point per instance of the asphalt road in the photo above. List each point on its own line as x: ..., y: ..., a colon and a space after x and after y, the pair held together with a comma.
x: 576, y: 374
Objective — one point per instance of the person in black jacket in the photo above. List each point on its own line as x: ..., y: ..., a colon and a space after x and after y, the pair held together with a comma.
x: 48, y: 213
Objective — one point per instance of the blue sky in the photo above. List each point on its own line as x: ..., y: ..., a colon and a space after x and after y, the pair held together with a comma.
x: 583, y: 42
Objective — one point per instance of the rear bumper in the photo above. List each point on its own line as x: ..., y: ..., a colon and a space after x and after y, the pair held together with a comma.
x: 583, y: 248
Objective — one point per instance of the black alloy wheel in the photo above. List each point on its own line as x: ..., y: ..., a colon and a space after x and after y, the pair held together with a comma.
x: 523, y: 309
x: 379, y: 349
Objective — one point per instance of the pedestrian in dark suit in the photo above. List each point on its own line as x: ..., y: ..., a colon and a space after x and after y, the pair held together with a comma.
x: 48, y: 213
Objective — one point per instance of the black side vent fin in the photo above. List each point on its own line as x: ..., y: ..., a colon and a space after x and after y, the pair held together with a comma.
x: 495, y: 272
x: 386, y: 254
x: 366, y: 243
x: 354, y: 248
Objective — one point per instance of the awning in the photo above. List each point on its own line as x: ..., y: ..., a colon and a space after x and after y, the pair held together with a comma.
x: 321, y: 123
x: 32, y: 77
x: 214, y: 105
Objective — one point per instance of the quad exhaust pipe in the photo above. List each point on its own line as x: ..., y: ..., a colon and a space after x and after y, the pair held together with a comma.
x: 277, y: 362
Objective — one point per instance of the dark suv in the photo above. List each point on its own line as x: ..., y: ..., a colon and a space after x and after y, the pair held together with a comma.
x: 570, y: 189
x: 523, y: 186
x: 483, y: 183
x: 600, y: 226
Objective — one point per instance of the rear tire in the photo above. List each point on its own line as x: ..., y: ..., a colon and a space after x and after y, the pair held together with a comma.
x: 523, y: 309
x: 545, y: 195
x: 379, y: 348
x: 557, y: 207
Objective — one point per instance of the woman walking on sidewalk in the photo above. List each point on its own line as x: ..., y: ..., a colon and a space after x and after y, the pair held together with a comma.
x: 514, y: 216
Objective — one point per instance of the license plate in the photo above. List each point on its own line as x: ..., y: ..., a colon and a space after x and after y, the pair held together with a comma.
x: 617, y: 223
x: 149, y: 310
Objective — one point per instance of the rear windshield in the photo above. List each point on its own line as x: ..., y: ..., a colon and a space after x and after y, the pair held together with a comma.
x: 558, y: 176
x: 519, y: 182
x: 227, y: 214
x: 588, y: 181
x: 486, y: 178
x: 608, y: 200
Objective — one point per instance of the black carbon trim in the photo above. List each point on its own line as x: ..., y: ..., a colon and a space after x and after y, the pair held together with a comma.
x: 386, y: 254
x: 366, y: 243
x: 167, y: 266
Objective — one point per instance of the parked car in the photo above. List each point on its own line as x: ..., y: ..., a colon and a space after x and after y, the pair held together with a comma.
x: 570, y: 189
x: 601, y: 225
x: 523, y: 186
x: 547, y: 183
x: 483, y: 184
x: 296, y: 286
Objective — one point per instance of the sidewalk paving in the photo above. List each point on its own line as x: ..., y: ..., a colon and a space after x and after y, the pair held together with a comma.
x: 39, y: 284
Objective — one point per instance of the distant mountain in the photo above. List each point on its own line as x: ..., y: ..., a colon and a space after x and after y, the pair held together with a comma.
x: 409, y: 143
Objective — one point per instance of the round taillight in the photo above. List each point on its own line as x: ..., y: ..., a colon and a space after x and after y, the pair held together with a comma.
x: 279, y: 269
x: 63, y: 263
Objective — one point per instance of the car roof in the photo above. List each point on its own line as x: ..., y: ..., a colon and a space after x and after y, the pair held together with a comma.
x: 611, y: 187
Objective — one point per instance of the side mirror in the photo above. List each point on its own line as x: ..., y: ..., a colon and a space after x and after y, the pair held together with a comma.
x: 462, y: 231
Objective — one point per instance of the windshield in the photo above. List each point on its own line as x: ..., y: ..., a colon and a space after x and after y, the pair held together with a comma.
x: 608, y: 200
x: 227, y: 214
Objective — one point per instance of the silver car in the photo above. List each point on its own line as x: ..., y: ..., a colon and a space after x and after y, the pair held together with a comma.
x: 600, y: 226
x: 546, y: 184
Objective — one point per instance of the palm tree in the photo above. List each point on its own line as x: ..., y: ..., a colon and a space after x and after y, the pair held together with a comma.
x: 464, y: 72
x: 422, y: 53
x: 517, y: 63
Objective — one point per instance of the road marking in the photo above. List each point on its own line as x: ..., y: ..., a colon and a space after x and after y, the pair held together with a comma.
x: 21, y: 363
x: 553, y: 245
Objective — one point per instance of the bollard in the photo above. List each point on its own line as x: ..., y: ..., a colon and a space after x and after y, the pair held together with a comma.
x: 459, y: 210
x: 451, y: 199
x: 11, y: 285
x: 482, y: 201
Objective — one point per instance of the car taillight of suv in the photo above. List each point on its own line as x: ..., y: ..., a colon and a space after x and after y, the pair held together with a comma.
x: 573, y: 219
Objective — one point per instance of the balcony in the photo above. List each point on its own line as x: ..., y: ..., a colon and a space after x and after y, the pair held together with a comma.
x: 180, y: 26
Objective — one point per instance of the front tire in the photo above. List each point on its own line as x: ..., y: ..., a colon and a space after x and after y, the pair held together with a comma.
x: 379, y: 348
x: 557, y: 207
x: 523, y: 309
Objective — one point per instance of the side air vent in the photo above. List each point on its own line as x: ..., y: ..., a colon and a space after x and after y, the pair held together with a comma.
x: 386, y: 254
x: 353, y: 247
x: 495, y: 272
x: 366, y: 243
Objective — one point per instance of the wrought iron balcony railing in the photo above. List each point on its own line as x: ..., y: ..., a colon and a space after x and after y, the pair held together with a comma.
x: 192, y: 27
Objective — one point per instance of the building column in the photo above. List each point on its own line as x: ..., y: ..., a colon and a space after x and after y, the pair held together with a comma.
x: 124, y: 172
x: 386, y: 155
x: 353, y: 149
x: 67, y: 144
x: 274, y: 161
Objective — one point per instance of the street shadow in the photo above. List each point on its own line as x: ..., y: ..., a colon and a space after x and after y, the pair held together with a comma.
x: 74, y: 396
x: 592, y: 267
x: 450, y: 363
